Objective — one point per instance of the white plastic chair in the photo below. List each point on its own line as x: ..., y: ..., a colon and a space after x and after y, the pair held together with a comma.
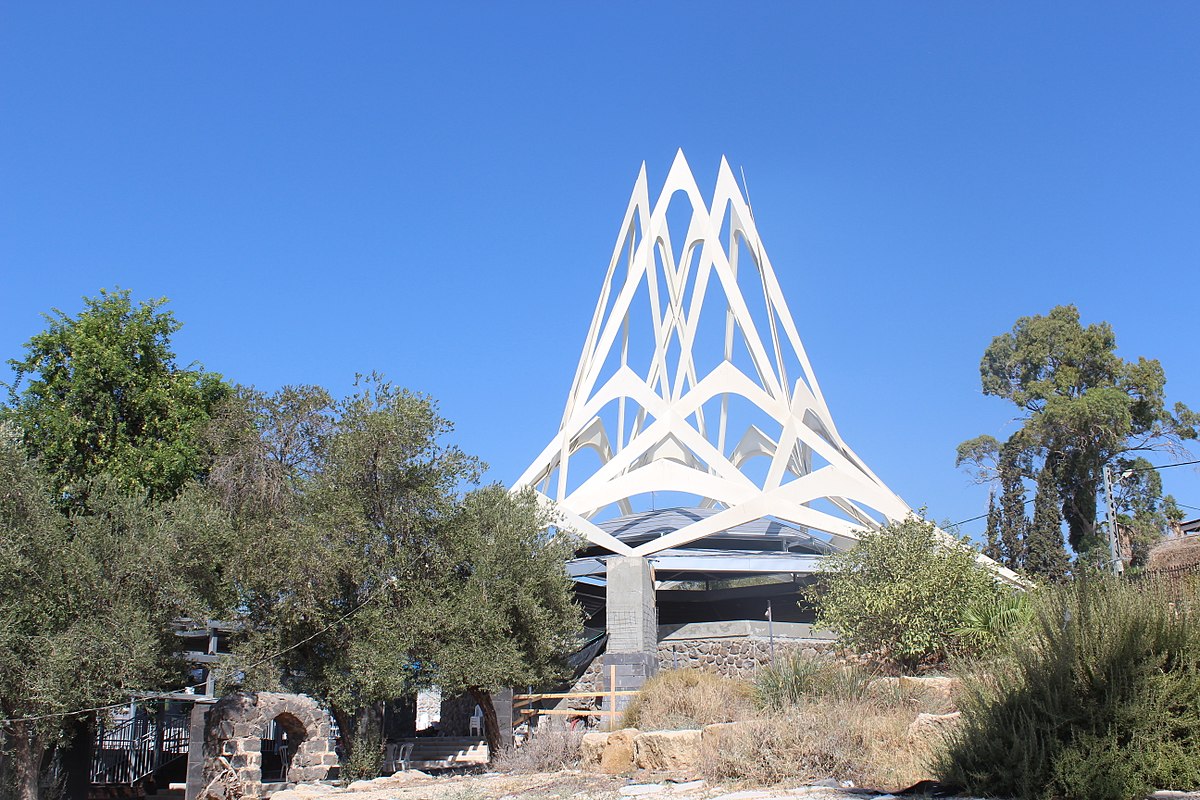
x: 475, y: 727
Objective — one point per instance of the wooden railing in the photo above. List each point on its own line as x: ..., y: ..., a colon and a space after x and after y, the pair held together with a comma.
x: 523, y: 712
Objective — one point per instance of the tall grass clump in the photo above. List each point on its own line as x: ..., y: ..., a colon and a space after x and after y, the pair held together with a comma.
x: 797, y: 679
x: 1100, y: 700
x: 687, y: 698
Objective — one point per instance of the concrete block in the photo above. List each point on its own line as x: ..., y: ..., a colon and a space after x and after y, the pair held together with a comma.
x: 631, y: 616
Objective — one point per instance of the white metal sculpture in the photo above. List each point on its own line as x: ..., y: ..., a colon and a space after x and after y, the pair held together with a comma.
x: 722, y: 404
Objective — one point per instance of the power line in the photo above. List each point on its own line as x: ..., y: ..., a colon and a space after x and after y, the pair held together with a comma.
x: 1135, y: 469
x: 1161, y: 466
x: 981, y: 516
x: 185, y: 687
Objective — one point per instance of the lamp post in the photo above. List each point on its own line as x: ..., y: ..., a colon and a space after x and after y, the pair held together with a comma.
x: 771, y: 631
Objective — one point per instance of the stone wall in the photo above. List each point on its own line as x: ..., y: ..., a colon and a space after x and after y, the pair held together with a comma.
x: 732, y: 656
x: 455, y: 715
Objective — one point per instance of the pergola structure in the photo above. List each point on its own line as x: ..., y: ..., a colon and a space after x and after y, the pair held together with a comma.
x: 695, y: 435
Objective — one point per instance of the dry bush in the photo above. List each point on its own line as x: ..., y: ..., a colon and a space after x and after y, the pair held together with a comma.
x: 863, y: 741
x: 547, y: 750
x: 1175, y: 554
x: 688, y: 698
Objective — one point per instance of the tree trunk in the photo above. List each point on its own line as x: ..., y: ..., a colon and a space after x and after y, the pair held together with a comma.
x: 345, y: 724
x: 27, y: 760
x: 491, y: 726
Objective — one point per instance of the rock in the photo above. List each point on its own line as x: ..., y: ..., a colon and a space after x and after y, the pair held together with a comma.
x: 617, y: 757
x: 361, y: 786
x: 926, y: 729
x: 413, y: 774
x: 687, y: 786
x: 639, y: 789
x: 310, y: 788
x: 667, y: 750
x: 591, y: 749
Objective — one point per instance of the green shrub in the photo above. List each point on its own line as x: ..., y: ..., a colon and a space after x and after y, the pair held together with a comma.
x: 796, y: 679
x: 988, y: 621
x: 366, y: 759
x: 899, y: 596
x: 687, y: 698
x: 1100, y: 701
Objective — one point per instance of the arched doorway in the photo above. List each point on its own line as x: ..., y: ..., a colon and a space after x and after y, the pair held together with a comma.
x: 280, y: 742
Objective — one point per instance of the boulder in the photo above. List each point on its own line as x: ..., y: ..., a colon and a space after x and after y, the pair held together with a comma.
x: 617, y: 757
x: 591, y: 749
x: 674, y: 751
x: 927, y: 729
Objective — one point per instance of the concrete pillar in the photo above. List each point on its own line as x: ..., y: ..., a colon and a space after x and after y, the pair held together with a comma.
x: 632, y: 619
x: 195, y: 760
x: 502, y: 701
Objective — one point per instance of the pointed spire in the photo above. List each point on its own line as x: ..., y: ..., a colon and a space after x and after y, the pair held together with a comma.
x: 691, y: 373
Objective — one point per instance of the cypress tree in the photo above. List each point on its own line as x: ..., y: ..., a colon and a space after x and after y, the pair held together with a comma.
x: 1013, y: 523
x: 992, y: 550
x: 1045, y: 554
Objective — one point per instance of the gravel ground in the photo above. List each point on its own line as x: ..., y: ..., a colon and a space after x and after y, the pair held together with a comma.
x: 567, y: 785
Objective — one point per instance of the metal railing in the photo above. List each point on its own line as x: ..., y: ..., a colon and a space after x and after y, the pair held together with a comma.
x: 138, y: 747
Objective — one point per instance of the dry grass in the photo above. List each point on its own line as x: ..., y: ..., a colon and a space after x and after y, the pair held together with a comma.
x: 1175, y: 554
x: 863, y: 741
x: 547, y: 750
x: 688, y: 698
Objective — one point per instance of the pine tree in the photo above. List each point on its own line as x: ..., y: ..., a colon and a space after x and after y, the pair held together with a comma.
x: 1013, y: 523
x: 994, y: 520
x: 1045, y: 554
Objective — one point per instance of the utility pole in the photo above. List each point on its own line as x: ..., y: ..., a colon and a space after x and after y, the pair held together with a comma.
x: 1114, y: 552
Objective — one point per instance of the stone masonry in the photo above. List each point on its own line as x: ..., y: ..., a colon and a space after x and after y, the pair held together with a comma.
x: 233, y: 742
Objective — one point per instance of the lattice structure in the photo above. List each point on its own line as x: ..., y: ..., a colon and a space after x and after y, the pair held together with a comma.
x: 693, y: 381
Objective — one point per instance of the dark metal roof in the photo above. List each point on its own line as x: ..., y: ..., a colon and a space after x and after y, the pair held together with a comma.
x: 767, y: 533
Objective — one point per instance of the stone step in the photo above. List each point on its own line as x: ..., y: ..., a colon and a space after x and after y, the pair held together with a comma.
x: 445, y: 752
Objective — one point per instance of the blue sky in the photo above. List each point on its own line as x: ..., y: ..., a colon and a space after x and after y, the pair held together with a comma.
x: 434, y: 191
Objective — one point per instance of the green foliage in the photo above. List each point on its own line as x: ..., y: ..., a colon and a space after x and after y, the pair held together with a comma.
x: 990, y: 621
x: 994, y: 519
x: 347, y: 503
x: 1013, y: 523
x: 506, y: 614
x: 1083, y: 406
x: 100, y: 394
x: 370, y: 567
x: 86, y: 602
x: 1045, y: 555
x: 899, y: 595
x: 1143, y: 514
x: 1098, y: 701
x: 365, y: 760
